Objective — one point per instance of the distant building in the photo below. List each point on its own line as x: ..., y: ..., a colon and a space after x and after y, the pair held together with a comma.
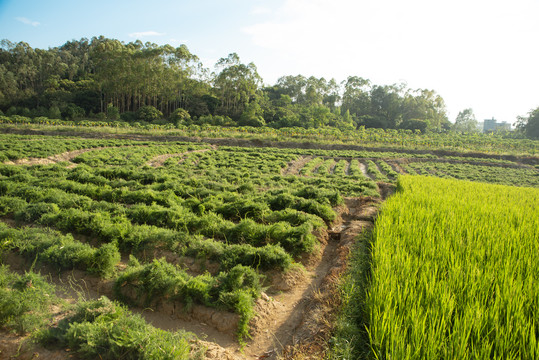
x: 490, y: 125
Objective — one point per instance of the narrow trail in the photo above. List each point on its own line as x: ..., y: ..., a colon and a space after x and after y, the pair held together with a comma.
x: 159, y: 160
x: 295, y: 166
x: 67, y: 156
x: 63, y: 157
x: 298, y: 322
x: 364, y: 171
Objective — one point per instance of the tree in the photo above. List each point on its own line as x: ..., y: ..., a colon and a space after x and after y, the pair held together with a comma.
x: 236, y: 84
x: 112, y: 112
x: 73, y: 112
x: 252, y: 115
x: 414, y: 124
x: 149, y: 113
x: 356, y: 97
x: 54, y: 112
x: 529, y: 125
x: 465, y: 122
x: 179, y: 115
x: 386, y: 102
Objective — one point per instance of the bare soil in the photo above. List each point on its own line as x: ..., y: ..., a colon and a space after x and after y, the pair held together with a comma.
x: 295, y: 166
x: 159, y: 160
x: 363, y: 169
x: 67, y: 156
x: 63, y: 157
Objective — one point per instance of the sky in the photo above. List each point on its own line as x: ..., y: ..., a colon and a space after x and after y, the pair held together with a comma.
x: 478, y: 54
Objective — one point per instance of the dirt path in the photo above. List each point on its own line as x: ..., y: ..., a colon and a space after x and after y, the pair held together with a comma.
x: 363, y: 169
x: 67, y: 156
x: 295, y: 166
x: 347, y: 168
x: 159, y: 160
x: 298, y: 323
x: 63, y: 157
x: 397, y: 167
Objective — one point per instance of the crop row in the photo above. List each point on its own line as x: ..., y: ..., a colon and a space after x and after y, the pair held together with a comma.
x: 367, y: 137
x: 135, y: 155
x: 233, y: 290
x: 91, y: 329
x: 13, y: 147
x: 318, y: 167
x: 59, y: 250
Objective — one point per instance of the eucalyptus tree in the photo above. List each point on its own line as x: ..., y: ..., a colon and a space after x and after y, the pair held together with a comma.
x: 356, y: 98
x: 465, y: 122
x: 235, y: 85
x: 386, y: 105
x: 529, y: 125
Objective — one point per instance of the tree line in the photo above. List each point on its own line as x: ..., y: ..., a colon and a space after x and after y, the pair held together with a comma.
x: 104, y: 78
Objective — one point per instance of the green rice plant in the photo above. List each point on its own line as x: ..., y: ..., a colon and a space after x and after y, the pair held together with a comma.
x: 455, y: 272
x: 350, y: 339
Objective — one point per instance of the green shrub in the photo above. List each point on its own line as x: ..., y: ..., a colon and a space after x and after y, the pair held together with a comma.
x: 11, y: 205
x: 24, y: 300
x: 149, y: 113
x: 105, y: 259
x: 34, y: 212
x: 102, y: 329
x: 159, y: 280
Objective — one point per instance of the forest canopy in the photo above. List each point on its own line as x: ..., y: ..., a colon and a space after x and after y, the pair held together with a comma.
x: 104, y: 78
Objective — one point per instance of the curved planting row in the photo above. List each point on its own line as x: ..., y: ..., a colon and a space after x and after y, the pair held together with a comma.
x: 230, y: 207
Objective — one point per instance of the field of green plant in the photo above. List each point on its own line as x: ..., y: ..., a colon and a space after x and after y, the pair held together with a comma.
x: 372, y: 137
x: 227, y: 209
x: 198, y: 224
x: 505, y: 175
x: 453, y: 275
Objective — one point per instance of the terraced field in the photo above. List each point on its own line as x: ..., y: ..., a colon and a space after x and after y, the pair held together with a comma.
x: 230, y: 251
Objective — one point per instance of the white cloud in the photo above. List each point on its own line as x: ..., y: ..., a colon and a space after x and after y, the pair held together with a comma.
x: 145, y: 34
x: 475, y: 54
x: 260, y: 10
x: 27, y: 21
